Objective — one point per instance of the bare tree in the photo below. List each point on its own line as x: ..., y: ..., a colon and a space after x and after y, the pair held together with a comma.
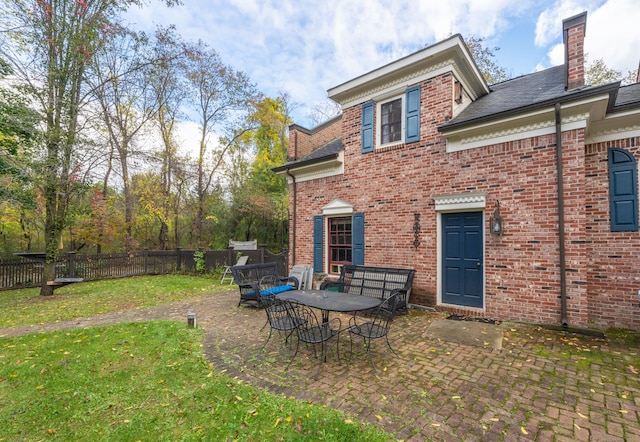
x: 122, y: 87
x: 167, y: 83
x: 222, y: 98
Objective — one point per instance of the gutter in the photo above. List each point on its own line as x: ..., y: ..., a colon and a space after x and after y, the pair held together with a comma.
x: 293, y: 216
x: 298, y: 164
x: 561, y: 237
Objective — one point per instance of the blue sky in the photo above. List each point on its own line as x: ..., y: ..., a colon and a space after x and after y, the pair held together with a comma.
x: 305, y: 47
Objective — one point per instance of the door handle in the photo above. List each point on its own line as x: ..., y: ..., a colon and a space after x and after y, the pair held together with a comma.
x: 479, y: 264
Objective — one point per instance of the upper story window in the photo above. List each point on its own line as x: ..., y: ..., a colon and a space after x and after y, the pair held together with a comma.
x: 397, y: 120
x: 391, y: 121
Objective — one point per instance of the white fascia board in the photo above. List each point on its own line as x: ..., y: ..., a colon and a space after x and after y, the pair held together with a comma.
x: 323, y: 169
x: 575, y: 115
x: 446, y: 56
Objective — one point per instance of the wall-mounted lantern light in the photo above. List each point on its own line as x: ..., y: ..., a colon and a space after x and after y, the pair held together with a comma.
x: 496, y: 222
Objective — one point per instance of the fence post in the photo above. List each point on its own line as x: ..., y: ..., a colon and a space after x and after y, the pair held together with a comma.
x: 146, y: 261
x: 71, y: 258
x: 263, y: 247
x: 231, y: 257
x: 178, y: 258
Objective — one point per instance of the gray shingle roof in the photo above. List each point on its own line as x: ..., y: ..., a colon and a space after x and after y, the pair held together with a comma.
x: 512, y: 96
x: 331, y: 149
x: 628, y: 96
x: 522, y: 93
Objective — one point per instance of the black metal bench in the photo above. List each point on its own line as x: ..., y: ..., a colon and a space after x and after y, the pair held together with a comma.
x: 259, y: 280
x: 378, y: 282
x: 59, y: 282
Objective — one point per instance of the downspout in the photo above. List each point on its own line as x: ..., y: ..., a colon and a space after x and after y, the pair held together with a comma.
x: 293, y: 216
x: 563, y: 277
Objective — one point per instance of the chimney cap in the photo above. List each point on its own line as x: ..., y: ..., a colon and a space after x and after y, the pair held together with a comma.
x: 578, y: 19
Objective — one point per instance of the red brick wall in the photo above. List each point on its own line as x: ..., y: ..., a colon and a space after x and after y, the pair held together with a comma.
x: 613, y: 257
x: 521, y: 266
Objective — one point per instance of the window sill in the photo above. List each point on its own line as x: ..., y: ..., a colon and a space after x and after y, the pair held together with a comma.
x: 389, y: 147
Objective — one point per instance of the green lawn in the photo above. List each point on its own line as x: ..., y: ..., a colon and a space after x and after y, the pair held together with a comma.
x: 146, y: 381
x: 27, y: 307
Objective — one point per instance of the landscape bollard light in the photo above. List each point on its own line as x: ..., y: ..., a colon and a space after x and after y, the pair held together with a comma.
x: 191, y: 320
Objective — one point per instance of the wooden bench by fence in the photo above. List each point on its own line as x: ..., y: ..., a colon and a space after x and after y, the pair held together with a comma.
x: 59, y: 282
x: 379, y: 282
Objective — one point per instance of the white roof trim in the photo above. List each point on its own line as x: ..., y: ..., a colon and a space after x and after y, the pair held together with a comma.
x: 322, y: 169
x: 448, y: 55
x: 615, y: 126
x: 575, y: 115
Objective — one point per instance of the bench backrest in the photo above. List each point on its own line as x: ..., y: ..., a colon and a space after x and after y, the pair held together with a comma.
x: 243, y: 245
x: 253, y: 273
x: 375, y: 281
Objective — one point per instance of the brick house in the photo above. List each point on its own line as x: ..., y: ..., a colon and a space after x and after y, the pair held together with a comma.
x: 430, y: 168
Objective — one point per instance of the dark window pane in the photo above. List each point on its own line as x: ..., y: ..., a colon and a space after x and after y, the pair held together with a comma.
x: 340, y: 242
x: 391, y: 121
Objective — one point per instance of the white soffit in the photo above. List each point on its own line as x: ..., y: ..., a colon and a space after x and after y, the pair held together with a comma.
x: 615, y: 127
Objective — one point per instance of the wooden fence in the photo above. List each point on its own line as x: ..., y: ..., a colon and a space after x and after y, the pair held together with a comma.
x: 26, y: 270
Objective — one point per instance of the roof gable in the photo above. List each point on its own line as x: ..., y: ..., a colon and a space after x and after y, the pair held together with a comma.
x: 449, y: 55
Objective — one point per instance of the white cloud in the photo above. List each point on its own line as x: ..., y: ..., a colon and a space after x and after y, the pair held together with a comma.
x: 613, y: 34
x: 556, y: 55
x: 612, y: 31
x: 305, y: 47
x: 549, y: 24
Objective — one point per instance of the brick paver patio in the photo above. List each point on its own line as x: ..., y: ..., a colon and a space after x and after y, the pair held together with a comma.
x: 543, y: 385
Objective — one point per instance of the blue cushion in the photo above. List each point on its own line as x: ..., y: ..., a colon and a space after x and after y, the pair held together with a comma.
x: 275, y: 290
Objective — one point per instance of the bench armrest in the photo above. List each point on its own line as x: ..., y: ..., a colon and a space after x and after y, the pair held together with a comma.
x: 273, y: 280
x: 327, y: 285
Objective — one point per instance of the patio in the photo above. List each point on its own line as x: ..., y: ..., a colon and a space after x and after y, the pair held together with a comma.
x: 543, y: 385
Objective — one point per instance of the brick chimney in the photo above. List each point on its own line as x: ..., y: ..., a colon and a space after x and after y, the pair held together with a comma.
x: 303, y: 141
x: 573, y: 32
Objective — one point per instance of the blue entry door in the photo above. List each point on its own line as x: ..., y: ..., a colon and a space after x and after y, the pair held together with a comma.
x: 462, y: 275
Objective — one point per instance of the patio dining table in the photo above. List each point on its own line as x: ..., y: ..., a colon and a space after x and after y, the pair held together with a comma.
x: 328, y: 301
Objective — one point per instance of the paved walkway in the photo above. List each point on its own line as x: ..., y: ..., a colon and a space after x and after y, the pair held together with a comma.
x: 542, y: 385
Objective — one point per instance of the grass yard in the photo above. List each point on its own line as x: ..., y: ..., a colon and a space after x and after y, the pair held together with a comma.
x: 27, y: 307
x: 148, y: 382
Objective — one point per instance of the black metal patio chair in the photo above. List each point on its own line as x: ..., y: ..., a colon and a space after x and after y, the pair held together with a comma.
x: 374, y: 326
x: 278, y: 318
x: 312, y: 331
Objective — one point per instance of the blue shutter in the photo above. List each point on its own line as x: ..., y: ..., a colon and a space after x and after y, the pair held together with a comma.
x: 357, y: 244
x: 623, y: 191
x: 367, y: 127
x: 318, y: 226
x: 412, y: 115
